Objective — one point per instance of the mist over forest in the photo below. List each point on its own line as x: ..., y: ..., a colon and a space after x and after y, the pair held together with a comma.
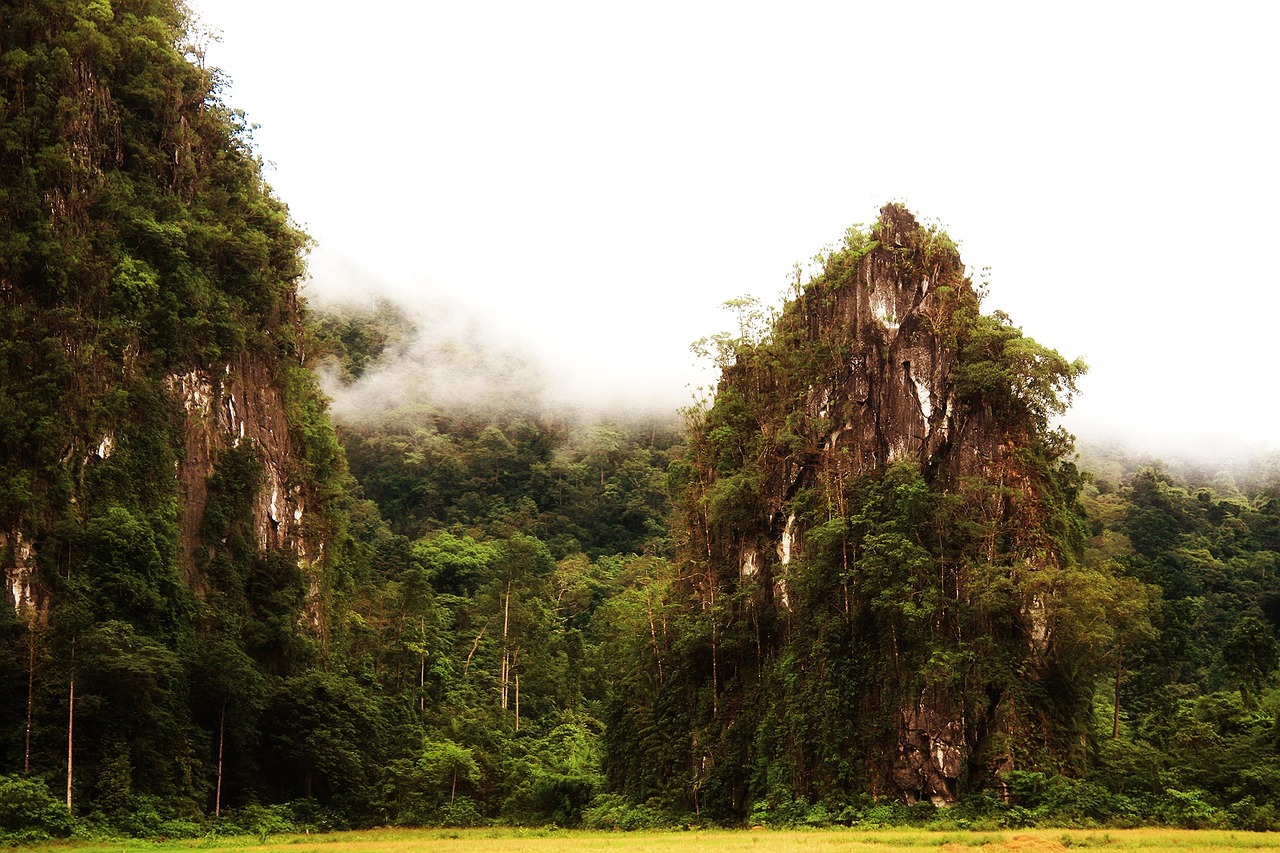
x: 444, y: 354
x: 426, y: 354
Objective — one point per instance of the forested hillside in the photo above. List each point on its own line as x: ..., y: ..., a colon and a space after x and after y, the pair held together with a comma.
x: 866, y: 582
x: 172, y: 515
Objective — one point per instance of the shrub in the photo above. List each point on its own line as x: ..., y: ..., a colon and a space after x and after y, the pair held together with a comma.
x: 1187, y: 809
x: 614, y: 811
x: 461, y: 812
x: 779, y: 811
x: 261, y: 820
x: 819, y: 815
x: 29, y: 812
x: 1247, y: 814
x: 882, y: 814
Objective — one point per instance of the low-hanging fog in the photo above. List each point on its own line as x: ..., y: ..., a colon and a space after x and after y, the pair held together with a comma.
x: 446, y: 354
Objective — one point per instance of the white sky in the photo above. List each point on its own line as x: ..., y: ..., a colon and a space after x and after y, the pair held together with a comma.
x: 597, y: 178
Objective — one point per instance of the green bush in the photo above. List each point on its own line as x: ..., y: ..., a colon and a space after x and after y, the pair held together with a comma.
x: 141, y: 819
x: 1247, y: 814
x: 308, y: 815
x: 179, y: 828
x: 882, y: 814
x: 614, y: 811
x: 1188, y: 809
x: 29, y: 812
x: 261, y: 821
x: 1027, y: 787
x: 562, y: 797
x: 779, y: 811
x: 1076, y: 800
x: 819, y: 815
x: 461, y: 812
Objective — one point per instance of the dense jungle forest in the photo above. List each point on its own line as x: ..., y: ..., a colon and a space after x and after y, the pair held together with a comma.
x: 869, y: 580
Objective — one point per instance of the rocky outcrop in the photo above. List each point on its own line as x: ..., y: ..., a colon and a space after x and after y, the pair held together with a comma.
x: 864, y: 373
x: 18, y: 555
x: 243, y: 402
x: 892, y: 395
x: 932, y: 750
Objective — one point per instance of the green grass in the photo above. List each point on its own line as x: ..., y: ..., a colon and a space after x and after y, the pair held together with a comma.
x: 709, y: 841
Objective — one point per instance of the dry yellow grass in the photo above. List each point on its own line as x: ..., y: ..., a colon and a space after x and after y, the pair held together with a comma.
x: 711, y: 841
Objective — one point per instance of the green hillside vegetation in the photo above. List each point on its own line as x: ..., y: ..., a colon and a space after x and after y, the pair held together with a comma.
x: 223, y: 614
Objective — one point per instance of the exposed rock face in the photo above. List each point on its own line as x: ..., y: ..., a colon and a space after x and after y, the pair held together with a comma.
x: 222, y: 409
x: 932, y: 750
x: 242, y: 403
x: 19, y: 564
x: 894, y: 396
x: 862, y: 375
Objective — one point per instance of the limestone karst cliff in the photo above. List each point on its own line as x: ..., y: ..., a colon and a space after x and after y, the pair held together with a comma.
x: 167, y: 471
x: 149, y: 289
x: 876, y: 524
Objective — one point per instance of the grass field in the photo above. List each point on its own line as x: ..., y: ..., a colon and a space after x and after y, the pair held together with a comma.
x: 712, y: 841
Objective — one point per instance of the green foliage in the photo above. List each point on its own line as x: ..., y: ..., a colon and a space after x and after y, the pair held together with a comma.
x: 29, y: 812
x: 733, y: 502
x: 129, y: 565
x: 1000, y: 368
x: 1250, y: 655
x: 614, y: 811
x: 262, y: 821
x: 595, y: 488
x: 755, y: 325
x: 324, y: 728
x: 444, y: 763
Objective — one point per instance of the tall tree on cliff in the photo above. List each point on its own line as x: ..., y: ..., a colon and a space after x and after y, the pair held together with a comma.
x: 879, y: 550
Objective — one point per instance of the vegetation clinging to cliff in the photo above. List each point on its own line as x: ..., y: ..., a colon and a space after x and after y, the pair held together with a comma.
x: 880, y: 545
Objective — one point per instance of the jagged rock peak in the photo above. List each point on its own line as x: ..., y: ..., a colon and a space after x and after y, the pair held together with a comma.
x: 896, y: 225
x: 851, y: 458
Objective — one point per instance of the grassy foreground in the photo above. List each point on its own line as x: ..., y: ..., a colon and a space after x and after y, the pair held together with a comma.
x: 709, y: 841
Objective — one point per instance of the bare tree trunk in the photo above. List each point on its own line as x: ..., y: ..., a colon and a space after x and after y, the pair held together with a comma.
x: 517, y: 701
x: 653, y: 633
x: 502, y: 683
x: 31, y: 695
x: 506, y: 622
x: 422, y: 666
x: 893, y: 635
x: 715, y: 667
x: 711, y: 581
x: 222, y: 735
x: 1115, y: 726
x: 475, y: 645
x: 71, y: 719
